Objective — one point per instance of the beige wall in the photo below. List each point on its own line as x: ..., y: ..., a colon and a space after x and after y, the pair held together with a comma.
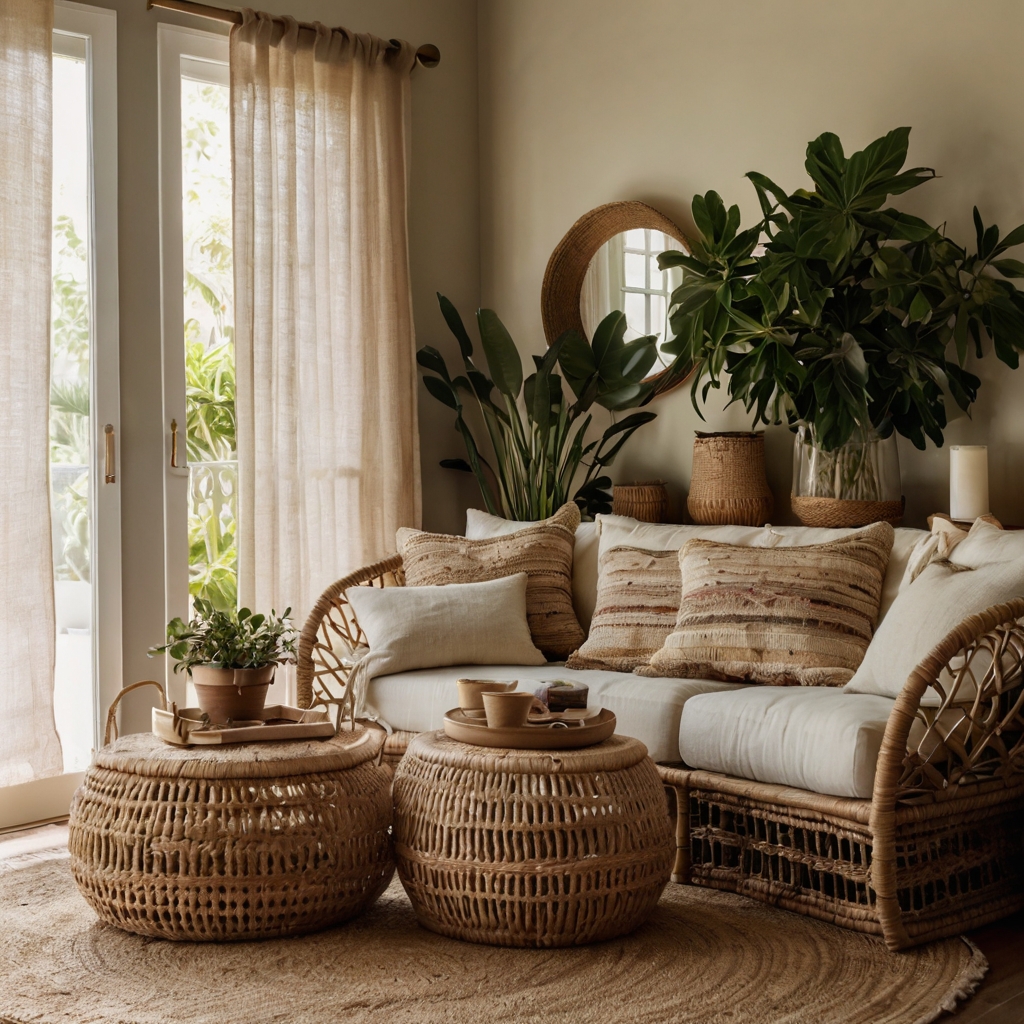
x: 444, y: 256
x: 588, y: 101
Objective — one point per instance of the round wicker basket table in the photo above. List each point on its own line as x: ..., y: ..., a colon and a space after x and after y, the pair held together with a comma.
x: 531, y: 847
x: 243, y: 841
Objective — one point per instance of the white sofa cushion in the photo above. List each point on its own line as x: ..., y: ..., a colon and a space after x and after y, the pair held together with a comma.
x: 482, y: 526
x: 985, y: 569
x: 648, y: 709
x: 817, y: 739
x: 616, y: 531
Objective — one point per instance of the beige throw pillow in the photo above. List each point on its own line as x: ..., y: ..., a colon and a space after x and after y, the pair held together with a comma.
x: 543, y: 551
x: 985, y: 569
x: 482, y: 525
x: 410, y: 628
x: 622, y: 531
x: 637, y: 604
x: 781, y: 616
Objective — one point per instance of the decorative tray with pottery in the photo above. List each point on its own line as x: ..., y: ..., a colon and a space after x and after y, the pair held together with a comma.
x: 494, y: 714
x: 192, y: 726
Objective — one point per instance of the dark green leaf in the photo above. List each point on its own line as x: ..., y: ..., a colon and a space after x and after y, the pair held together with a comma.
x: 503, y: 360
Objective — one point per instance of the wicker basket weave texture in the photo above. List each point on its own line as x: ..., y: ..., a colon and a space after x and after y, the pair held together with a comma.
x: 248, y: 841
x: 728, y: 482
x: 841, y: 512
x: 531, y: 848
x: 647, y: 502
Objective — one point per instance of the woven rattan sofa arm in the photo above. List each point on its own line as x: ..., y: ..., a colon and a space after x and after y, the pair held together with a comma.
x: 967, y: 741
x: 331, y: 632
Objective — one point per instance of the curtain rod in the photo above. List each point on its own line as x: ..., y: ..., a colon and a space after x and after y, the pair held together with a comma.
x: 428, y: 55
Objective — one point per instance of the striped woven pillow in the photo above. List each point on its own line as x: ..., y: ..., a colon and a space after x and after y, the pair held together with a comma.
x: 637, y: 604
x: 542, y: 550
x: 781, y: 616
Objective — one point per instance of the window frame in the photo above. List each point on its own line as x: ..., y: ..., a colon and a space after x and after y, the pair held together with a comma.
x: 179, y: 49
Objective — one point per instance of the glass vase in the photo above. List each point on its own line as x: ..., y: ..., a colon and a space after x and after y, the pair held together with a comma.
x: 864, y: 469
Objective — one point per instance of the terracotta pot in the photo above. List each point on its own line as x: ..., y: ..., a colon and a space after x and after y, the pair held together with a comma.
x: 235, y: 694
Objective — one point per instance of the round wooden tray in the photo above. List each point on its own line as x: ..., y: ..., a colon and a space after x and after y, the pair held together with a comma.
x: 529, y: 737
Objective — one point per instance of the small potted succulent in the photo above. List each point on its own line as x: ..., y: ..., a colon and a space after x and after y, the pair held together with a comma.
x: 231, y: 657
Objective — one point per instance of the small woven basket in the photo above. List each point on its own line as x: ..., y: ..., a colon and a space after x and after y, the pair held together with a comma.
x: 647, y: 502
x: 839, y: 512
x: 728, y: 484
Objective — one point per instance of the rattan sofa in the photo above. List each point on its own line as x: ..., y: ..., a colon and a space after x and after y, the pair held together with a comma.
x: 939, y: 846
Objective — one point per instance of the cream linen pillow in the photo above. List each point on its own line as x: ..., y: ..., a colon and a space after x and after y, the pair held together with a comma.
x: 618, y: 531
x: 637, y: 604
x: 543, y: 551
x: 410, y: 628
x: 482, y: 525
x: 985, y: 569
x: 781, y: 616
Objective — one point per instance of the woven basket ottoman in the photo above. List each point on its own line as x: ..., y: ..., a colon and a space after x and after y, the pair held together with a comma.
x: 239, y: 842
x: 531, y: 847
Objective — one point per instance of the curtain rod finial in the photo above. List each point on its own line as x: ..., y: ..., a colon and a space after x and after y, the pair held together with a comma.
x: 428, y: 55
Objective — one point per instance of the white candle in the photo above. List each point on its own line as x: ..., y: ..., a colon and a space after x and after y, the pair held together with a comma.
x: 968, y: 481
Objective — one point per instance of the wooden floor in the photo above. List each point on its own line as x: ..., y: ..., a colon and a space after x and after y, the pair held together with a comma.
x: 999, y: 1000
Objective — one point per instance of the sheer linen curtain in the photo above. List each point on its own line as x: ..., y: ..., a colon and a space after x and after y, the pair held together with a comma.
x: 328, y: 446
x: 29, y: 746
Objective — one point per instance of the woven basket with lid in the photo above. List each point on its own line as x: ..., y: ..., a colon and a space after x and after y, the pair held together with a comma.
x: 240, y: 842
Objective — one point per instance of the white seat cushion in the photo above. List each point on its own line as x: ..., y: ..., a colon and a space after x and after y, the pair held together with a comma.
x: 647, y: 709
x: 819, y: 739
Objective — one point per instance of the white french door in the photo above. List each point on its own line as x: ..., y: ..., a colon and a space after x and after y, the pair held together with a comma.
x: 200, y: 467
x: 84, y: 402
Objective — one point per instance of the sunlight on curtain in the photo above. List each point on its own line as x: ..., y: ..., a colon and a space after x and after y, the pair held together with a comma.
x: 29, y: 747
x: 326, y: 376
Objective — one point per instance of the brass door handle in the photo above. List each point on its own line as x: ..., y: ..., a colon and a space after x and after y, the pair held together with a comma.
x: 110, y: 470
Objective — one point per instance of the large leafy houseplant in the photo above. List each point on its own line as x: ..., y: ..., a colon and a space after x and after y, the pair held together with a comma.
x: 537, y: 433
x: 854, y: 319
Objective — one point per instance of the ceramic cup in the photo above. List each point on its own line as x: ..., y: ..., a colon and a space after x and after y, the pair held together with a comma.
x: 507, y: 710
x: 471, y: 691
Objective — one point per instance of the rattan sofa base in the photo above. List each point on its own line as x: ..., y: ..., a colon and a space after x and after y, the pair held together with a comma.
x: 938, y: 848
x: 958, y: 864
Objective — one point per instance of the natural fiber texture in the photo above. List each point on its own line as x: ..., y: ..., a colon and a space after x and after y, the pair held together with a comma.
x: 781, y: 616
x: 570, y: 260
x: 246, y: 841
x: 30, y: 747
x: 845, y: 512
x: 637, y: 604
x: 702, y: 958
x: 728, y: 482
x: 531, y: 848
x: 937, y: 849
x: 646, y: 502
x: 543, y: 551
x: 328, y: 437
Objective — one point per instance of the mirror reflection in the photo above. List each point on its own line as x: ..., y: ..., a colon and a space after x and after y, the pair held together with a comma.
x: 624, y: 275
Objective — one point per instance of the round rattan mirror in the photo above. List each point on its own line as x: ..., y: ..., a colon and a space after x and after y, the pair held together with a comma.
x: 608, y: 260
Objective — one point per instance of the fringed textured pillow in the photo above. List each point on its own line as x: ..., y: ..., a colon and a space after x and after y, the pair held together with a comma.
x: 781, y: 616
x: 637, y: 603
x: 542, y: 550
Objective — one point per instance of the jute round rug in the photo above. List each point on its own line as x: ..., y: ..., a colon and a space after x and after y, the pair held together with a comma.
x: 706, y: 957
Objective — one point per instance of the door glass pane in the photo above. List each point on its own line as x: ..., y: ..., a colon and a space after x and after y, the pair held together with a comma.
x: 209, y: 341
x: 70, y: 399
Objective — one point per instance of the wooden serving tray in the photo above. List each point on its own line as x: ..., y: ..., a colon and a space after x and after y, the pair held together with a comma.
x: 185, y: 727
x: 583, y: 729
